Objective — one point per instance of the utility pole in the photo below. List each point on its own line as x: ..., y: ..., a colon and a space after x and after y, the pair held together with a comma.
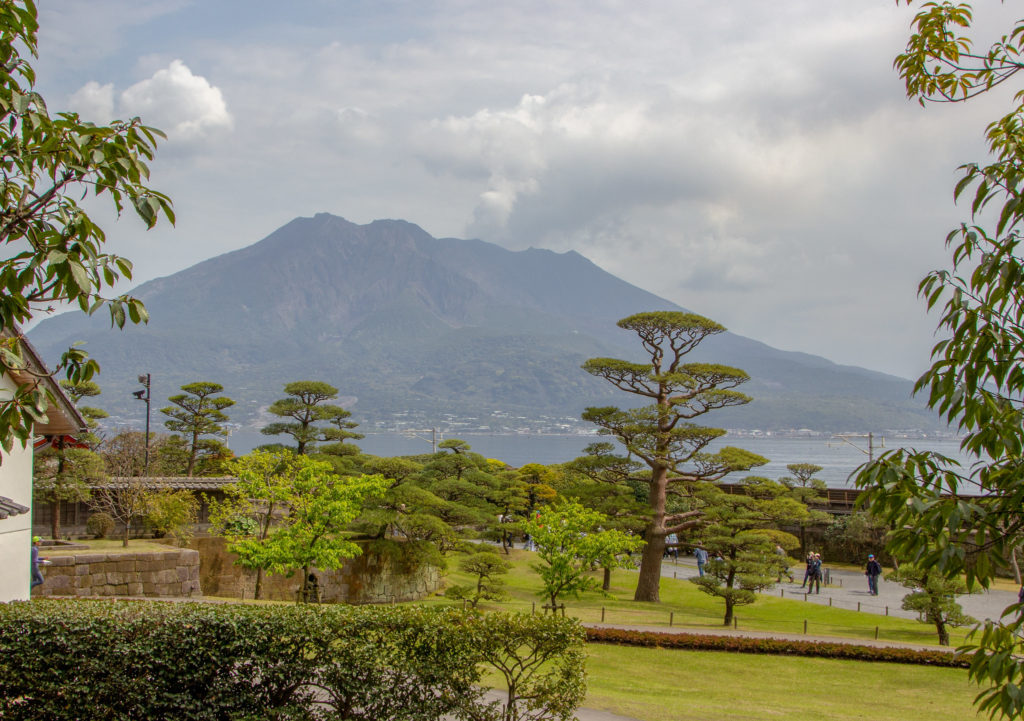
x: 845, y: 438
x: 415, y: 433
x: 144, y: 396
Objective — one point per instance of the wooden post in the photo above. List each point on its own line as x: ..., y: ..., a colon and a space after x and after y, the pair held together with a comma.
x: 602, y: 614
x: 858, y: 605
x: 782, y: 593
x: 830, y: 601
x: 674, y: 576
x: 876, y: 633
x: 671, y: 618
x: 533, y: 611
x: 886, y: 610
x: 805, y: 626
x: 735, y: 622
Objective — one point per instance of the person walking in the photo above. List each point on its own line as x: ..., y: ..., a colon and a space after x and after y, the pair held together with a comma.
x: 783, y: 564
x: 702, y: 558
x: 37, y: 575
x: 874, y: 570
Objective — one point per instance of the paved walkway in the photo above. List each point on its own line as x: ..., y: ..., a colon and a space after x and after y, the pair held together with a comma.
x: 849, y: 589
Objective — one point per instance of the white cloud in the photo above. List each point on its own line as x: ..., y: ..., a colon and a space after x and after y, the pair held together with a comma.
x: 183, y: 105
x: 94, y: 102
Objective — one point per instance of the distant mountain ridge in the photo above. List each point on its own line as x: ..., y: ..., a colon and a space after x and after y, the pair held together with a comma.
x: 401, y: 321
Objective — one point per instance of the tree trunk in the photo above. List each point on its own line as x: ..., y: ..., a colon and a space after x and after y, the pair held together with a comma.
x: 648, y: 587
x: 1016, y: 566
x: 305, y: 585
x: 127, y: 530
x: 649, y: 584
x: 55, y: 521
x: 940, y: 626
x: 258, y: 591
x: 606, y: 584
x: 728, y: 611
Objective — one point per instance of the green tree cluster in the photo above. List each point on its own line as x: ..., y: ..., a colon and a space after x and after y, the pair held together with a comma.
x: 302, y: 511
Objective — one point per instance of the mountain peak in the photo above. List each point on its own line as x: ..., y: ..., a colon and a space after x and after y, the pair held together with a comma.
x: 401, y: 321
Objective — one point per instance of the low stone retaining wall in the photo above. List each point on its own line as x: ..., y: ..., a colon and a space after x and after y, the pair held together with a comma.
x: 159, y: 574
x: 368, y: 578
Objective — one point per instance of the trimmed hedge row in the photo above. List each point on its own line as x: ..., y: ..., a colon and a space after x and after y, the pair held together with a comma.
x: 743, y: 644
x: 64, y: 660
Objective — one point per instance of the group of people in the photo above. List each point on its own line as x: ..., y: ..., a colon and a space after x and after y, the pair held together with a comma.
x: 813, y: 574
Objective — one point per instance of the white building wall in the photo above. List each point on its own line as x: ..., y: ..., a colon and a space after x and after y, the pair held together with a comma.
x: 16, y: 531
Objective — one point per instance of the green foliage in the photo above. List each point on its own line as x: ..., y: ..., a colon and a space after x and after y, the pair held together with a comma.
x: 85, y: 660
x: 933, y: 598
x: 173, y: 513
x: 307, y: 406
x: 196, y: 413
x: 302, y: 513
x: 541, y: 661
x: 976, y: 380
x: 660, y: 434
x: 54, y: 249
x: 486, y: 566
x: 99, y: 525
x: 571, y: 543
x: 739, y: 534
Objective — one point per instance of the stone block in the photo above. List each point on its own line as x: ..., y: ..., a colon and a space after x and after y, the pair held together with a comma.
x: 134, y: 589
x: 89, y: 558
x: 98, y: 579
x: 121, y: 589
x: 183, y: 573
x: 126, y: 566
x: 83, y: 569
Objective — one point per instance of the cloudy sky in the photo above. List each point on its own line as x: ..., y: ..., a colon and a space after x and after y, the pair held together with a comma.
x: 754, y: 162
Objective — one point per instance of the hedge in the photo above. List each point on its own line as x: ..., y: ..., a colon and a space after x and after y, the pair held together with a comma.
x: 742, y: 644
x: 74, y: 659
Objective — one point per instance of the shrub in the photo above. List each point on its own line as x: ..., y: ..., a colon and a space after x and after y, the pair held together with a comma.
x: 85, y: 660
x: 99, y: 525
x: 782, y: 647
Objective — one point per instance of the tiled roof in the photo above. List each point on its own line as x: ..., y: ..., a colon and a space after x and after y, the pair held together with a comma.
x: 170, y: 482
x: 10, y: 508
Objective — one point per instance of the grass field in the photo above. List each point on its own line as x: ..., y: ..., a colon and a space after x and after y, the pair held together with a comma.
x: 669, y: 685
x: 687, y: 607
x: 111, y: 545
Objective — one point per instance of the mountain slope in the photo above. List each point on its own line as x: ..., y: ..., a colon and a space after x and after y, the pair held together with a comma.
x: 403, y: 322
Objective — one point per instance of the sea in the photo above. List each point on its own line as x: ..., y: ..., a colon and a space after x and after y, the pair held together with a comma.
x: 838, y: 458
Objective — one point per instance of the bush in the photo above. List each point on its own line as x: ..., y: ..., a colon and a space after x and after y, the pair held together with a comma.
x: 99, y: 525
x: 85, y: 660
x: 782, y: 647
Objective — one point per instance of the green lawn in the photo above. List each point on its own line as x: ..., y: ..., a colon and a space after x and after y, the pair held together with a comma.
x: 111, y: 545
x: 689, y: 608
x: 668, y: 685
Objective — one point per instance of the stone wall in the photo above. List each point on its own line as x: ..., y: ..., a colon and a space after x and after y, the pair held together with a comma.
x: 158, y: 574
x: 368, y: 578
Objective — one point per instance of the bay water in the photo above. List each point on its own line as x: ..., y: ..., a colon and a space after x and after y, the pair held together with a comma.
x: 838, y: 459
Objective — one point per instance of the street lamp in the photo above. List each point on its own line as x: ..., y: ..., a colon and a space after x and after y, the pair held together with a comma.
x: 143, y: 395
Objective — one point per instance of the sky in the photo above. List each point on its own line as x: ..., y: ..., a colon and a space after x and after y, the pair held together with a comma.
x: 757, y: 163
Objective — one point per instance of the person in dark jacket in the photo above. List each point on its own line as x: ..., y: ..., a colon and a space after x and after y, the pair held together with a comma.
x: 874, y: 570
x: 814, y: 584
